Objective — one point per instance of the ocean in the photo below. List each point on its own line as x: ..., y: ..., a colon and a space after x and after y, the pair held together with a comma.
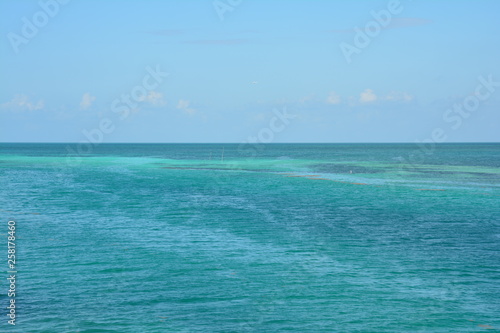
x: 251, y: 238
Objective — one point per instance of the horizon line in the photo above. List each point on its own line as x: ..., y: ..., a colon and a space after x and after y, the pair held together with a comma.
x: 251, y: 143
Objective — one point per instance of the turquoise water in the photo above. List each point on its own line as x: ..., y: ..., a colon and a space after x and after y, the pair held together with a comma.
x: 266, y: 238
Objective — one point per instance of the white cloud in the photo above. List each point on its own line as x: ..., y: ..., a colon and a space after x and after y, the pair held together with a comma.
x: 154, y: 98
x: 22, y: 102
x: 367, y: 96
x: 87, y: 100
x: 333, y: 98
x: 184, y: 106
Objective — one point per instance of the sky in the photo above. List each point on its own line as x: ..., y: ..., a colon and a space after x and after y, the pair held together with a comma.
x: 240, y: 71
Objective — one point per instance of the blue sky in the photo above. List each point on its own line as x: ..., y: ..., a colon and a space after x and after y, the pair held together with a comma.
x: 232, y: 65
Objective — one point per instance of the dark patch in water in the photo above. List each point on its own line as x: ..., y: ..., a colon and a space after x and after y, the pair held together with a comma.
x: 343, y: 168
x: 217, y: 169
x: 439, y: 172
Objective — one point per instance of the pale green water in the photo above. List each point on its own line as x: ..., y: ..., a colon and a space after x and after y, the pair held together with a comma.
x: 171, y: 238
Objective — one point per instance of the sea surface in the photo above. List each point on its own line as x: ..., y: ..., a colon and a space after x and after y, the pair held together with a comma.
x: 252, y: 238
